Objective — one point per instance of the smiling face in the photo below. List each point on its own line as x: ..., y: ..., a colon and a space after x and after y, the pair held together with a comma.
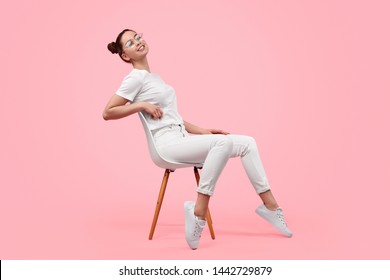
x: 134, y: 47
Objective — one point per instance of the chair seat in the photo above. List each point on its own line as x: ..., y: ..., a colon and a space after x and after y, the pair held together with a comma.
x: 173, y: 166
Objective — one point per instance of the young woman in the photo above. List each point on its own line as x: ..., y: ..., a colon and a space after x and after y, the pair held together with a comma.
x: 143, y: 90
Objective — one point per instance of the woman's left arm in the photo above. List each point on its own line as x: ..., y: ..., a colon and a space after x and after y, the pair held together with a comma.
x: 191, y: 128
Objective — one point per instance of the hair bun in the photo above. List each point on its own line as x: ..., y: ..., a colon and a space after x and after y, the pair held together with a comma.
x: 112, y: 47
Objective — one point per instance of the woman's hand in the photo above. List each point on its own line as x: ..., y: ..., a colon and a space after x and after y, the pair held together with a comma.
x: 214, y: 131
x: 191, y: 128
x: 154, y: 111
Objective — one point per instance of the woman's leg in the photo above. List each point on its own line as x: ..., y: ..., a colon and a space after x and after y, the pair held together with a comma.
x: 211, y: 150
x: 246, y: 148
x: 214, y: 150
x: 201, y: 206
x: 269, y: 200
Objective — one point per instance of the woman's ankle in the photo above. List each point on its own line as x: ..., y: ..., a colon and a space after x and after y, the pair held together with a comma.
x: 271, y: 206
x: 269, y: 200
x: 201, y: 214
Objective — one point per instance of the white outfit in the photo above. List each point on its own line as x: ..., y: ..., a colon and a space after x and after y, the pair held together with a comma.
x: 175, y: 143
x: 140, y: 85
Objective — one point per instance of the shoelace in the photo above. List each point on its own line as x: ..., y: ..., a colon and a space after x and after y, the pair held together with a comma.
x: 280, y: 215
x: 198, y: 230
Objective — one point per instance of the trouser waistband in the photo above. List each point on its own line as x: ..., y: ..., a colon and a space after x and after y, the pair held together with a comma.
x: 171, y: 127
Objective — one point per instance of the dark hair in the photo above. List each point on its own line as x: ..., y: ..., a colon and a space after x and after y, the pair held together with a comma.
x: 116, y: 47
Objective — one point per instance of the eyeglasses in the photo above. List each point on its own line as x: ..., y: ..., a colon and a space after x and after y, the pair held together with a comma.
x: 131, y: 42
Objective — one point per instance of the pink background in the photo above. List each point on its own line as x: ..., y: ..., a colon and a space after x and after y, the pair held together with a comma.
x: 308, y: 79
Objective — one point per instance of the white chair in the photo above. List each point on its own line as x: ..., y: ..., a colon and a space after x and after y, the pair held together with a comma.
x: 169, y: 167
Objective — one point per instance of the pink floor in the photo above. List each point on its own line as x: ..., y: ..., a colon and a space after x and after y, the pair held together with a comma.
x: 116, y: 226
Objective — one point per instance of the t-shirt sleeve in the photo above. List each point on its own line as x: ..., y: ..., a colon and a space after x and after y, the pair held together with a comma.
x: 130, y: 87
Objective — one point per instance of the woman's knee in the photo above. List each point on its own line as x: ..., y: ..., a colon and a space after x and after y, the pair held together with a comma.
x: 224, y: 142
x: 250, y: 140
x: 243, y: 144
x: 252, y: 145
x: 243, y: 140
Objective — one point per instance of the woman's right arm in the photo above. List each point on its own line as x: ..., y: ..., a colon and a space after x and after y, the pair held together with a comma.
x: 119, y: 107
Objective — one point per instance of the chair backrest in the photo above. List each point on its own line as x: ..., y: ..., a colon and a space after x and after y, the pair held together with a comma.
x: 155, y: 155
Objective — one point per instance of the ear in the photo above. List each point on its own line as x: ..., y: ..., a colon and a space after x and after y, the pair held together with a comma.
x: 126, y: 57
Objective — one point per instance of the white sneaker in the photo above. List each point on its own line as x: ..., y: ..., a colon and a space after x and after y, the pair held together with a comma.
x: 193, y: 225
x: 276, y: 218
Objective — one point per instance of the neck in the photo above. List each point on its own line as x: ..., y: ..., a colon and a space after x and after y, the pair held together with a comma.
x: 141, y: 64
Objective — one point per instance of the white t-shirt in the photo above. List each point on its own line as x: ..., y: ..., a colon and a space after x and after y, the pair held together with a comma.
x: 140, y: 85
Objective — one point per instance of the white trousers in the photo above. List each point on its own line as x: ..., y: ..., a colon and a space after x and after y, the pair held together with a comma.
x: 213, y: 151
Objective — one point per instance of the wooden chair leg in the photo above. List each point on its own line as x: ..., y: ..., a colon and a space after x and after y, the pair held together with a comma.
x: 208, y: 215
x: 159, y: 202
